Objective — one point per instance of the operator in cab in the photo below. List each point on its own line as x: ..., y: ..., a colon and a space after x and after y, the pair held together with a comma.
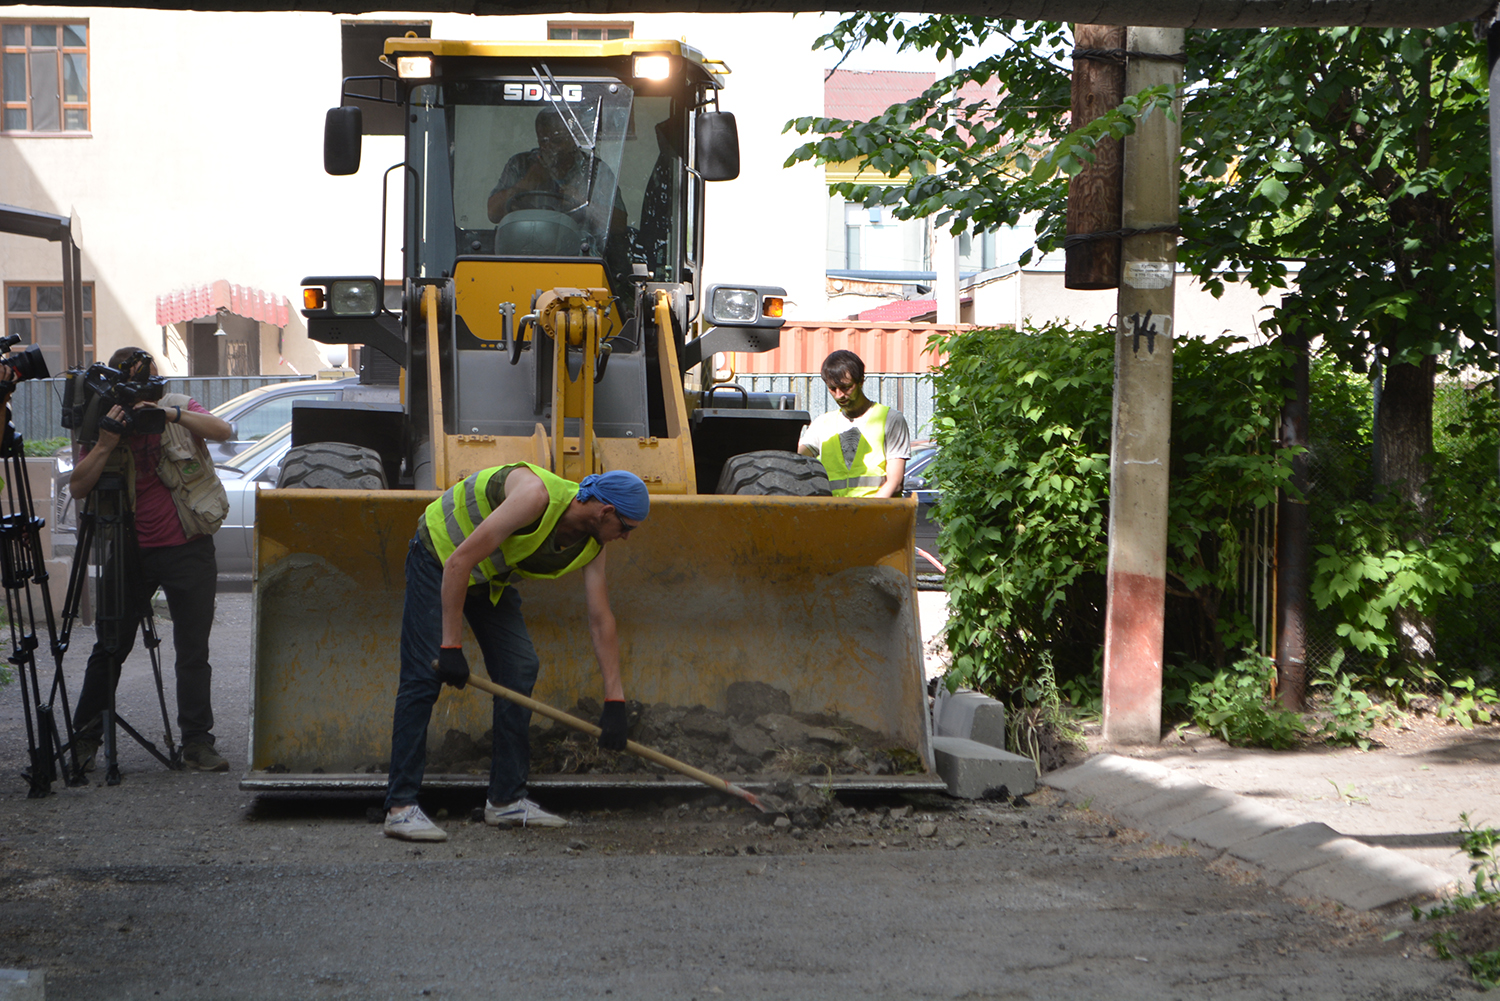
x: 863, y: 445
x: 517, y: 520
x: 559, y: 176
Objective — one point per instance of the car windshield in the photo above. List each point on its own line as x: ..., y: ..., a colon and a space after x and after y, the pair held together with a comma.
x: 255, y: 454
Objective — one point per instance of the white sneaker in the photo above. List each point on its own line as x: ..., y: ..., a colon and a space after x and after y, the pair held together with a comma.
x: 522, y: 813
x: 411, y: 824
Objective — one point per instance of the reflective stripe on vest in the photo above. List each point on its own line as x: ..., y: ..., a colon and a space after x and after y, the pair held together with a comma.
x: 453, y: 516
x: 866, y: 474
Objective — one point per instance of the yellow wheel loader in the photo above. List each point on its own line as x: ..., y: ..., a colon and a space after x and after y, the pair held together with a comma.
x: 548, y: 311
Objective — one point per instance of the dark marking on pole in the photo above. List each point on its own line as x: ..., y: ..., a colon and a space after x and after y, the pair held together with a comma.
x: 1142, y: 325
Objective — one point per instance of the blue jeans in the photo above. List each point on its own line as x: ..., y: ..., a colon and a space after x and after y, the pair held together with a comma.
x: 509, y: 658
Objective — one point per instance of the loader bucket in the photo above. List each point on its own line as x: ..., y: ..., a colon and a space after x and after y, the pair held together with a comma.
x: 813, y: 596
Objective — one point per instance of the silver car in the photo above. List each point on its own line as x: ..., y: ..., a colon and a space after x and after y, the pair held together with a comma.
x: 243, y: 475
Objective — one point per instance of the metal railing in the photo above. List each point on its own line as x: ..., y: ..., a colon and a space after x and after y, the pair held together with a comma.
x: 36, y: 405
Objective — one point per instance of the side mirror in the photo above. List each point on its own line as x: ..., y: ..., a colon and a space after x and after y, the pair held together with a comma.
x: 718, y: 146
x: 343, y: 131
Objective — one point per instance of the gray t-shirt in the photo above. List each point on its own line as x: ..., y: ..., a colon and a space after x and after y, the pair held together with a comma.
x: 834, y: 423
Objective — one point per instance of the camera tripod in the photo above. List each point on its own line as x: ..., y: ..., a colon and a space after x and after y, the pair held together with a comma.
x: 105, y: 524
x: 23, y: 565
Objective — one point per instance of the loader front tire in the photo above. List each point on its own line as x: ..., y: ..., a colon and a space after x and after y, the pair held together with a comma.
x: 773, y: 473
x: 332, y: 465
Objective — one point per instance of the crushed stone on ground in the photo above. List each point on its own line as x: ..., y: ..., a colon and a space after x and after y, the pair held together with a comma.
x: 757, y: 736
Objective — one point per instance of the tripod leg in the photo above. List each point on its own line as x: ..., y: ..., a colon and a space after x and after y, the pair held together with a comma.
x: 152, y: 642
x: 111, y: 758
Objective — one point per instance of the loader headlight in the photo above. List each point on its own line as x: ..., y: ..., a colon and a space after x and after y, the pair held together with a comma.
x: 746, y: 306
x: 734, y: 305
x: 656, y: 67
x: 414, y: 67
x: 354, y: 298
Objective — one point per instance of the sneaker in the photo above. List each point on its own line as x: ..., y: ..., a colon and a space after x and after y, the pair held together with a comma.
x: 203, y: 758
x: 522, y: 813
x: 86, y: 748
x: 411, y: 824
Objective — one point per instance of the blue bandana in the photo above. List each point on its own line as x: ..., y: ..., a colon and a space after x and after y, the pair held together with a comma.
x: 619, y: 488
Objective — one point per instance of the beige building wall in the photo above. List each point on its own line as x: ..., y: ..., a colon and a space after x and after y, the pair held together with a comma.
x: 1041, y: 298
x: 204, y: 162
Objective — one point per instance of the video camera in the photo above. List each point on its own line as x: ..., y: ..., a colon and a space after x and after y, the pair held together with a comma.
x: 24, y: 364
x: 91, y: 393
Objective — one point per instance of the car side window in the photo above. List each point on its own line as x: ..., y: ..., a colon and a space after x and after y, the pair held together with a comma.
x: 254, y: 425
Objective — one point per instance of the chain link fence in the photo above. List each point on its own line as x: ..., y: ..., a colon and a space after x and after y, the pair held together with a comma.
x: 1341, y: 469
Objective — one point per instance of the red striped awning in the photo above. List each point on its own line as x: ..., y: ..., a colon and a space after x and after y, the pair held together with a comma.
x: 207, y: 300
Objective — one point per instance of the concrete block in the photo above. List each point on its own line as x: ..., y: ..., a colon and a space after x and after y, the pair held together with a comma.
x: 1146, y: 814
x: 971, y: 716
x: 971, y: 769
x: 1174, y: 808
x: 1240, y: 821
x: 1109, y: 782
x: 1295, y: 849
x: 1366, y: 878
x: 23, y: 985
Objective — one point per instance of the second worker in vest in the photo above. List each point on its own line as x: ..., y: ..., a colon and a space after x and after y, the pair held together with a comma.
x: 863, y: 445
x: 517, y: 520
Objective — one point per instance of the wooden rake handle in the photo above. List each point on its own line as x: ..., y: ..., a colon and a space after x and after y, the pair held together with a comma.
x: 640, y: 750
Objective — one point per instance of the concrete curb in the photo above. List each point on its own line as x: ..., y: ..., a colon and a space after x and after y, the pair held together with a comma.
x: 1303, y: 859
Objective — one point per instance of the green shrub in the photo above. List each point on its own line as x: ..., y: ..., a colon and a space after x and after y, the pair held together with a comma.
x: 45, y: 447
x: 1235, y: 706
x: 1023, y: 419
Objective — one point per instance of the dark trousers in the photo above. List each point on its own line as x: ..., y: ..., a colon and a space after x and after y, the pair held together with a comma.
x: 189, y: 575
x: 509, y: 658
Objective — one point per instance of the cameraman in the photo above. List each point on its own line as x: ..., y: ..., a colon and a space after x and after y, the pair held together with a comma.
x: 175, y: 553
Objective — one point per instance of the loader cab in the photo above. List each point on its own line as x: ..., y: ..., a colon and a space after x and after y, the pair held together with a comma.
x: 554, y: 151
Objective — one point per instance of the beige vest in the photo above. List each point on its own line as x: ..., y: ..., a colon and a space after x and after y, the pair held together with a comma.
x: 188, y: 471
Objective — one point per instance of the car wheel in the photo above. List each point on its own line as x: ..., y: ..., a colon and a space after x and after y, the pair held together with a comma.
x: 332, y: 465
x: 772, y: 473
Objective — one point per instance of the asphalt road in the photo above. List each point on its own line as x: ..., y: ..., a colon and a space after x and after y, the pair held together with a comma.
x: 181, y: 885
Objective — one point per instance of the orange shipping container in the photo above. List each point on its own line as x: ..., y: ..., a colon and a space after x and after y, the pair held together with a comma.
x: 884, y: 347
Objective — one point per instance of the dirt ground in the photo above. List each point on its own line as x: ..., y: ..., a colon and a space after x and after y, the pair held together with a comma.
x: 183, y: 885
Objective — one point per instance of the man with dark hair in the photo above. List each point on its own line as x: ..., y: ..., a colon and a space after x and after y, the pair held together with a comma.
x: 559, y: 175
x: 516, y: 520
x: 863, y: 445
x: 176, y: 506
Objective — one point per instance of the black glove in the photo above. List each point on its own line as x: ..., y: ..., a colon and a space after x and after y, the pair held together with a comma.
x: 612, y: 726
x: 452, y: 666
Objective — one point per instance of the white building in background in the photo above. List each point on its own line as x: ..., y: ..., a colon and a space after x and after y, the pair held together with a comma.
x: 879, y: 268
x: 186, y: 148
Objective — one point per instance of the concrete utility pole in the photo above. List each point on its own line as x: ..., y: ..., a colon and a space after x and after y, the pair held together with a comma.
x: 945, y: 250
x: 1140, y: 442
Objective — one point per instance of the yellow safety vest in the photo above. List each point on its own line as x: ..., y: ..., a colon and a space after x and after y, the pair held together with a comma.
x: 866, y: 474
x: 461, y: 508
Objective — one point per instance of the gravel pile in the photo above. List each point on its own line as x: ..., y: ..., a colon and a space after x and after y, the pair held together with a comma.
x: 757, y: 736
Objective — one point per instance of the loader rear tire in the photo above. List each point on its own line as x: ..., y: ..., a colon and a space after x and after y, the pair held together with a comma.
x: 773, y: 473
x: 332, y: 465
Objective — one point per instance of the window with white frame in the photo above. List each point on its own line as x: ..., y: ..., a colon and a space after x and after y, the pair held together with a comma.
x: 44, y: 76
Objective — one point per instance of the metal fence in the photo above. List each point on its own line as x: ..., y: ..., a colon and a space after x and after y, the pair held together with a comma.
x: 36, y: 405
x: 909, y: 393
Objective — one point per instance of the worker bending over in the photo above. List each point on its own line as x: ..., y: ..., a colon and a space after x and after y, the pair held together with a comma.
x: 518, y: 519
x: 863, y: 445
